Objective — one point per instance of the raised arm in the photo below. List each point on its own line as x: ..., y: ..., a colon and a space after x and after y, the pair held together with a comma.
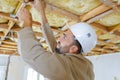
x: 46, y: 30
x: 31, y: 51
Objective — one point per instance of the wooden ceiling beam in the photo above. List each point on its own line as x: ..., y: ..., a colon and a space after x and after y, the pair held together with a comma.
x: 115, y: 40
x: 3, y: 26
x: 11, y: 22
x: 115, y: 28
x: 35, y: 23
x: 9, y: 42
x: 118, y: 50
x: 16, y: 28
x: 7, y: 16
x: 9, y: 52
x: 100, y: 9
x: 57, y: 10
x: 6, y: 48
x: 49, y: 8
x: 107, y: 51
x: 117, y: 33
x: 94, y: 53
x: 1, y: 34
x: 100, y: 16
x: 109, y: 11
x: 97, y: 49
x: 99, y: 27
x: 38, y: 34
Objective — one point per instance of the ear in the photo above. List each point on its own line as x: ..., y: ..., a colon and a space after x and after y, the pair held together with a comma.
x: 73, y: 49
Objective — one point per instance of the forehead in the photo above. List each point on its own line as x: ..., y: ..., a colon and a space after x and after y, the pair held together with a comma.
x: 68, y: 32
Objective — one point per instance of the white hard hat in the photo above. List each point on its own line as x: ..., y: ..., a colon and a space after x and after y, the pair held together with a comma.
x: 85, y: 35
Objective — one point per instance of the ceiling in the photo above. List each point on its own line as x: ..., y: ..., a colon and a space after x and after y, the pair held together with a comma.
x: 102, y: 15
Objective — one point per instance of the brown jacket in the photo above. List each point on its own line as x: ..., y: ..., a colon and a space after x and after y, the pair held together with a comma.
x: 53, y: 66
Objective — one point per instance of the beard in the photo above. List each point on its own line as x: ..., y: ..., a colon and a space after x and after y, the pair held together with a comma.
x: 62, y: 50
x: 58, y: 51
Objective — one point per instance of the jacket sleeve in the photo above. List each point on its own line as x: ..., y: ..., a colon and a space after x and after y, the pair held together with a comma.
x: 41, y: 60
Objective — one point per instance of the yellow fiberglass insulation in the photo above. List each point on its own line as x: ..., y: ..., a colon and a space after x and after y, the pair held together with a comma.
x: 55, y: 20
x: 7, y: 6
x: 78, y: 7
x: 111, y: 19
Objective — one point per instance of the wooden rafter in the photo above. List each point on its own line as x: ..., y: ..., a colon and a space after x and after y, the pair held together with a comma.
x: 115, y: 28
x: 9, y: 42
x: 3, y: 26
x: 99, y: 27
x: 10, y: 46
x: 102, y: 8
x: 100, y: 16
x: 117, y: 33
x: 8, y: 52
x: 4, y: 48
x: 11, y: 22
x: 1, y: 34
x: 7, y: 16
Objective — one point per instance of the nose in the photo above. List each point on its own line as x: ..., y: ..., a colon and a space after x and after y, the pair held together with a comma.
x: 60, y: 39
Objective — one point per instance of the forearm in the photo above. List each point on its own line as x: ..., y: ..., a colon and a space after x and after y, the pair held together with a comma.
x: 27, y: 24
x: 46, y: 29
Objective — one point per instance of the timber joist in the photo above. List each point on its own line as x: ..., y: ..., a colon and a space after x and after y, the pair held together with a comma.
x: 105, y: 19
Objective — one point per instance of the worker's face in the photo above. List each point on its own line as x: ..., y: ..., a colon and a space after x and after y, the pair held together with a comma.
x: 65, y: 42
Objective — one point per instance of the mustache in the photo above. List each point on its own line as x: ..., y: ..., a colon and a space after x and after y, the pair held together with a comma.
x: 58, y: 50
x: 58, y: 43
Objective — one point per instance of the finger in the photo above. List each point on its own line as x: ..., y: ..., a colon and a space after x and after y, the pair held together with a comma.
x: 36, y: 1
x: 26, y: 0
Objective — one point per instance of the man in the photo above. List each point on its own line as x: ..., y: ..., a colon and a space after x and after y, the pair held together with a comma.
x: 66, y: 63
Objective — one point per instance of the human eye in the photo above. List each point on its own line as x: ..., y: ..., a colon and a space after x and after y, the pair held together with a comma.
x: 64, y: 35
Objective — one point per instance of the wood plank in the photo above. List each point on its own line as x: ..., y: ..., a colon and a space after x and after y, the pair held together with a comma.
x: 38, y: 34
x: 107, y: 51
x: 117, y: 33
x: 9, y: 42
x: 8, y: 46
x: 102, y: 8
x: 4, y: 48
x: 7, y: 16
x: 99, y: 16
x: 9, y: 52
x: 11, y: 22
x: 35, y: 23
x: 16, y: 28
x: 1, y: 34
x: 115, y: 28
x: 99, y: 27
x: 3, y: 26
